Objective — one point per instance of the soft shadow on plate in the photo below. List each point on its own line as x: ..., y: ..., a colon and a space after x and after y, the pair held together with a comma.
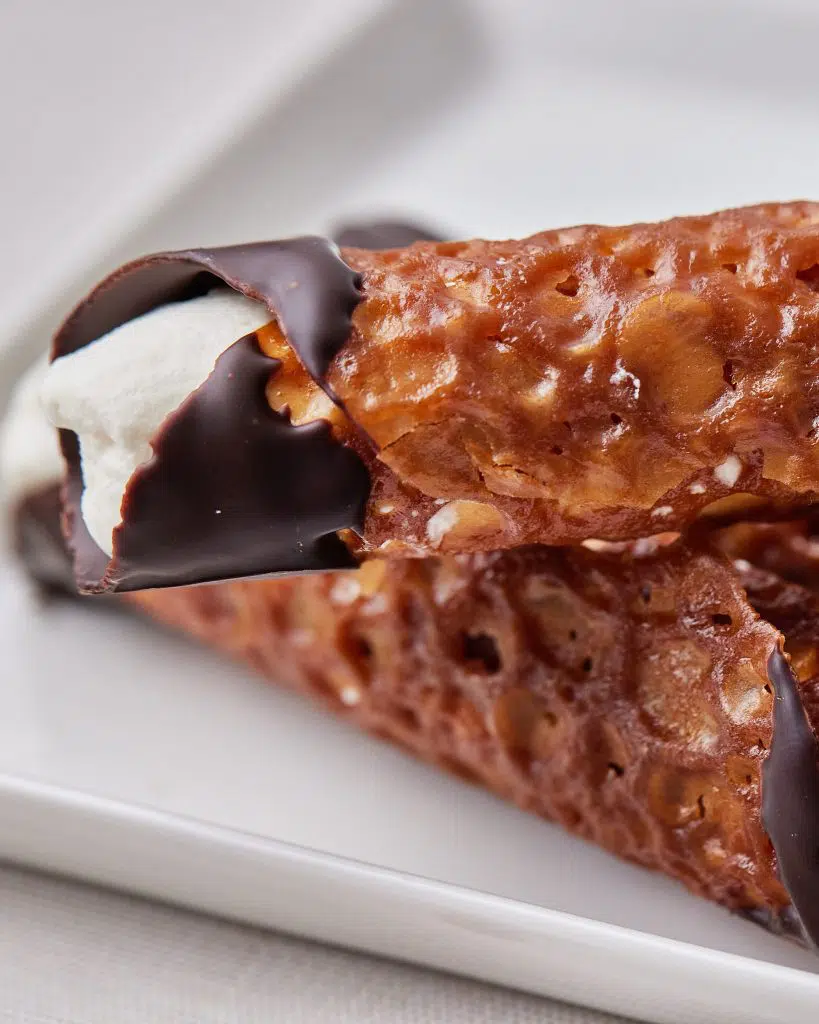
x: 356, y: 111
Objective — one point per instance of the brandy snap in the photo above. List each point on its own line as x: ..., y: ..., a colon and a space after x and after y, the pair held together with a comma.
x: 631, y: 699
x: 587, y: 383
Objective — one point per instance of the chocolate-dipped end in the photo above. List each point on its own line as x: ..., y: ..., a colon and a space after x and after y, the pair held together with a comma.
x: 38, y: 542
x: 304, y: 283
x: 383, y: 234
x: 790, y: 796
x: 312, y: 293
x: 299, y: 481
x: 785, y: 924
x: 233, y: 490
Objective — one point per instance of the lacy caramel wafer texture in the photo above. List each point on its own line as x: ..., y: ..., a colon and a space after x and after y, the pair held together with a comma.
x: 627, y: 699
x: 592, y: 382
x: 608, y: 383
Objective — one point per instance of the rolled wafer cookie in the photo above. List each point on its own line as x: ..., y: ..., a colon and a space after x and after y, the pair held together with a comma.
x: 638, y: 701
x: 288, y: 406
x: 627, y: 694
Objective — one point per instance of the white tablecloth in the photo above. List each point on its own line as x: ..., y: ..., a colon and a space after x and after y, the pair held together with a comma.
x: 72, y: 954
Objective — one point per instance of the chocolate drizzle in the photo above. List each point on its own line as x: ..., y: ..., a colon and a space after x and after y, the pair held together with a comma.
x: 246, y: 460
x: 790, y: 796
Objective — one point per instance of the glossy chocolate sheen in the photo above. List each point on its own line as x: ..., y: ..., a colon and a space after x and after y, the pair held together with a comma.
x: 281, y: 491
x: 235, y: 490
x: 303, y: 282
x: 790, y: 796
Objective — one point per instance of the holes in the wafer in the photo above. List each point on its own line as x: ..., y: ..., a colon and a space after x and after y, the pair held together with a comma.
x: 656, y: 600
x: 362, y: 647
x: 740, y: 771
x: 730, y: 267
x: 616, y: 770
x: 408, y: 718
x: 728, y: 374
x: 810, y: 277
x: 569, y: 286
x: 480, y: 649
x: 360, y: 654
x: 701, y: 805
x: 556, y: 449
x: 721, y: 619
x: 615, y: 419
x: 587, y: 665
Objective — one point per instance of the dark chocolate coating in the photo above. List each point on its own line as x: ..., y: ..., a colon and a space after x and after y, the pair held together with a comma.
x: 250, y: 462
x: 383, y: 234
x: 283, y: 491
x: 38, y: 542
x: 90, y: 561
x: 785, y: 924
x: 790, y: 796
x: 235, y: 490
x: 303, y: 282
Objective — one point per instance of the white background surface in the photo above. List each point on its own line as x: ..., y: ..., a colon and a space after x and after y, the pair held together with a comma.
x: 490, y: 118
x: 106, y: 108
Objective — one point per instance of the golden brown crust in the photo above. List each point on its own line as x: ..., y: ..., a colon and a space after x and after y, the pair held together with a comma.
x: 589, y: 382
x: 594, y: 384
x: 624, y: 697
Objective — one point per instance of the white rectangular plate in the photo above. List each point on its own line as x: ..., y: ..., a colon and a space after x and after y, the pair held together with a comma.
x: 132, y: 758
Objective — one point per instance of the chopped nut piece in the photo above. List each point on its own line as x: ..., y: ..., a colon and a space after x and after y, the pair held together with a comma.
x: 460, y: 521
x: 729, y: 471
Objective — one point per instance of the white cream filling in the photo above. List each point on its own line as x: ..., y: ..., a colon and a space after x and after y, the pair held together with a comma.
x: 116, y: 392
x: 30, y: 458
